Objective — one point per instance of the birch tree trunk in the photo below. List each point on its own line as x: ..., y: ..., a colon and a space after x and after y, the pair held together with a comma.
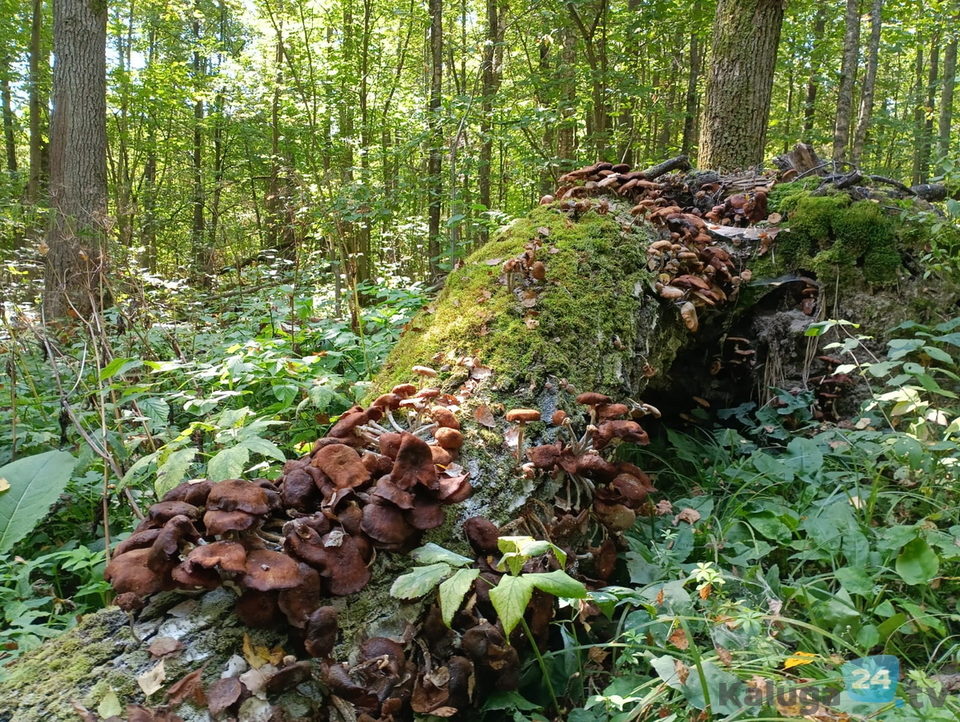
x: 848, y: 75
x: 869, y: 82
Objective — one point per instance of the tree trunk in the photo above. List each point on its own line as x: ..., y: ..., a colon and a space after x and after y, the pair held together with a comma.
x: 435, y: 123
x: 692, y: 99
x: 946, y: 96
x: 76, y: 258
x: 739, y: 83
x: 36, y: 183
x: 916, y: 175
x: 869, y: 82
x: 848, y: 75
x: 9, y: 137
x: 813, y: 82
x: 491, y: 84
x: 198, y: 250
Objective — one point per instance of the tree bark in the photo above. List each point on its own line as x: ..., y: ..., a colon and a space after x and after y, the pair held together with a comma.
x: 37, y: 101
x: 848, y: 75
x: 435, y: 122
x: 733, y: 131
x: 813, y: 82
x: 490, y: 86
x: 869, y: 82
x: 76, y: 257
x: 692, y: 98
x: 198, y: 251
x: 9, y: 137
x: 946, y: 96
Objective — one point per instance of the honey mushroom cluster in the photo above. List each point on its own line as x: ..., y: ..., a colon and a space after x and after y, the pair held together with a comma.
x: 692, y: 270
x: 615, y: 490
x: 378, y: 479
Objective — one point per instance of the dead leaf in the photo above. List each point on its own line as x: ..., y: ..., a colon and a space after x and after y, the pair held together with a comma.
x: 689, y: 515
x: 543, y: 231
x: 84, y: 714
x: 705, y: 591
x: 257, y: 655
x: 484, y: 416
x: 188, y: 687
x: 664, y: 507
x: 110, y: 705
x: 4, y: 485
x: 153, y: 680
x: 678, y: 638
x: 660, y: 597
x: 485, y: 296
x: 162, y: 646
x: 598, y: 655
x: 531, y: 323
x: 724, y: 656
x: 222, y: 694
x: 480, y: 372
x: 682, y: 671
x: 493, y: 261
x: 799, y: 658
x: 512, y: 437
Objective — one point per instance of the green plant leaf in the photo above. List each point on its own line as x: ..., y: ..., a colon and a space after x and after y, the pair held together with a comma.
x: 419, y: 581
x: 510, y: 598
x: 35, y: 483
x: 855, y: 581
x: 228, y: 464
x: 452, y: 592
x: 264, y: 447
x: 432, y: 553
x: 173, y: 469
x: 558, y: 583
x: 917, y: 563
x: 119, y: 366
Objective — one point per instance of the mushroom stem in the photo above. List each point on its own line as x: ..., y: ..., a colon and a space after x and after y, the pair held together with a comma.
x: 520, y: 440
x: 270, y: 537
x: 423, y: 429
x: 393, y: 421
x: 377, y: 428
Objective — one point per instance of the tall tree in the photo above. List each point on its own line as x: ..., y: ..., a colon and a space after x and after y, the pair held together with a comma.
x: 78, y: 168
x: 813, y: 80
x: 435, y: 122
x: 946, y: 95
x: 848, y: 75
x: 733, y: 131
x: 37, y: 102
x: 869, y: 82
x: 492, y: 54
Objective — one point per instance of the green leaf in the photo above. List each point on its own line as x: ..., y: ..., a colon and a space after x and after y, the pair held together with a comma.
x: 419, y: 581
x: 173, y: 469
x: 119, y: 366
x: 157, y: 410
x: 432, y: 553
x: 938, y: 354
x: 35, y: 483
x: 855, y: 581
x: 804, y: 457
x: 264, y: 447
x: 453, y: 590
x: 917, y: 563
x: 558, y: 583
x: 228, y: 464
x: 510, y: 598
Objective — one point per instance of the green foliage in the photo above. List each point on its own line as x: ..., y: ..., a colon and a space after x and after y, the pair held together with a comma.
x: 28, y: 488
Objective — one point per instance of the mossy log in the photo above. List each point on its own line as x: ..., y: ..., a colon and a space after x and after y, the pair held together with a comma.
x: 593, y: 322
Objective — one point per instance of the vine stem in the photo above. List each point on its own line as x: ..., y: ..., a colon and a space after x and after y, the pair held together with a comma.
x: 541, y: 663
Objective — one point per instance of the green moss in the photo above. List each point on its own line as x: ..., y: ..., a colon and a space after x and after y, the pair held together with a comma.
x: 784, y: 197
x: 585, y: 325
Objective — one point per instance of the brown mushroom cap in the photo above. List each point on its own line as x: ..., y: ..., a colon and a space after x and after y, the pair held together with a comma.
x: 321, y: 634
x: 558, y: 417
x: 386, y: 526
x: 130, y: 573
x: 267, y: 570
x: 424, y: 371
x: 545, y: 456
x: 591, y: 398
x: 449, y: 439
x: 404, y: 390
x: 193, y: 492
x: 619, y: 429
x: 227, y: 555
x: 444, y: 417
x: 387, y: 401
x: 386, y: 489
x: 238, y: 495
x: 346, y: 568
x: 454, y: 489
x: 258, y: 609
x: 342, y: 465
x: 612, y: 411
x: 137, y: 540
x: 482, y: 535
x: 522, y: 415
x: 299, y: 491
x: 161, y: 512
x: 188, y: 576
x: 441, y: 457
x: 425, y: 514
x: 414, y: 463
x: 219, y: 522
x: 298, y: 602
